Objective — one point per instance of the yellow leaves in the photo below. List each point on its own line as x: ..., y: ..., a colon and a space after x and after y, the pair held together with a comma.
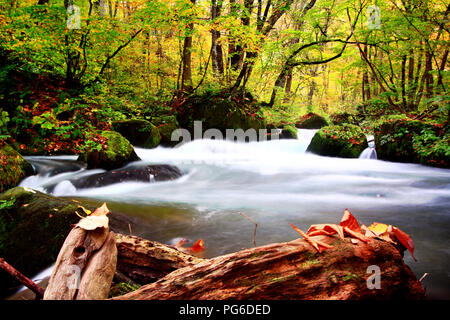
x: 378, y: 228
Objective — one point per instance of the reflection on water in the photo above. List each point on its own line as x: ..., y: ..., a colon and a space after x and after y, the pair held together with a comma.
x: 274, y: 183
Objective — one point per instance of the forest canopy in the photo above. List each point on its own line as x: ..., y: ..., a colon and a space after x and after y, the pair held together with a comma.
x: 122, y: 59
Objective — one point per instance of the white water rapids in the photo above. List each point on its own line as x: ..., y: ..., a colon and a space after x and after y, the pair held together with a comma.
x: 276, y: 182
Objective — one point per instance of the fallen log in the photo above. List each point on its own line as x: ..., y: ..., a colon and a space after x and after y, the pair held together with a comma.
x: 145, y: 261
x: 292, y: 270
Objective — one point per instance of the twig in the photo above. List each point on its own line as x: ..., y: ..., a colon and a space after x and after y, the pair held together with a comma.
x: 20, y: 277
x: 423, y: 277
x: 256, y: 226
x: 129, y: 228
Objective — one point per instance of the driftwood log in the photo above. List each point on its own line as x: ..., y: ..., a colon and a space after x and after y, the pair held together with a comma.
x: 292, y: 270
x: 85, y: 266
x: 145, y: 261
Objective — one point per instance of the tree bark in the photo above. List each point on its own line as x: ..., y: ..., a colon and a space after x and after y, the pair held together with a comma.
x: 291, y: 270
x: 216, y: 49
x: 145, y: 261
x: 186, y: 77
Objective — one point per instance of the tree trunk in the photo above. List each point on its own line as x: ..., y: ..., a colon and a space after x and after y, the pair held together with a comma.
x: 186, y: 77
x: 292, y: 270
x: 216, y: 49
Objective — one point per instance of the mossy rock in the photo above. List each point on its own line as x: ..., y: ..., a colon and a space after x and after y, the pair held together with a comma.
x: 33, y: 227
x: 288, y: 132
x: 139, y: 132
x: 117, y: 153
x: 166, y: 125
x: 311, y: 121
x: 394, y: 140
x: 341, y: 118
x: 13, y: 167
x: 347, y: 141
x: 222, y: 111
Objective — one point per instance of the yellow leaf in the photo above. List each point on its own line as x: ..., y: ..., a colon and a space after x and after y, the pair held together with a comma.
x: 378, y: 228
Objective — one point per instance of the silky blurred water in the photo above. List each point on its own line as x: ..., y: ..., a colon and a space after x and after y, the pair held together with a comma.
x: 274, y: 183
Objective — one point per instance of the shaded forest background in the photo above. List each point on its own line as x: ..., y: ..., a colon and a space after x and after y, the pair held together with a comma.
x: 69, y: 68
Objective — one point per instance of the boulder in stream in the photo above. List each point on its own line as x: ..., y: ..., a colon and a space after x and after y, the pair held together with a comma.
x: 311, y: 121
x: 150, y: 173
x: 346, y: 141
x: 139, y: 132
x: 117, y: 153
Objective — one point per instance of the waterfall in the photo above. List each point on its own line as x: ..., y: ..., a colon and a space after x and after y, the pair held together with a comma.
x: 369, y: 152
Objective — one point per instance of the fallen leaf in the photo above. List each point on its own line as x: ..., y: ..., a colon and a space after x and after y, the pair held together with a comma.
x: 378, y: 228
x: 319, y: 246
x: 198, y: 246
x: 355, y: 234
x: 325, y: 229
x: 405, y: 240
x: 101, y: 211
x: 93, y: 222
x: 348, y: 220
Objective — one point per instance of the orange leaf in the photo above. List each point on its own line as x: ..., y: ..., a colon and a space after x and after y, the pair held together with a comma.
x: 198, y: 246
x: 355, y: 234
x: 325, y: 229
x: 348, y: 220
x: 319, y: 246
x: 405, y: 240
x: 101, y: 211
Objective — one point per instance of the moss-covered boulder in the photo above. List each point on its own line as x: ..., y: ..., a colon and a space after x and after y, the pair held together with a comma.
x: 166, y: 125
x: 139, y: 132
x: 13, y: 167
x: 288, y: 132
x: 412, y: 141
x: 221, y: 110
x: 311, y: 121
x: 341, y: 118
x: 33, y: 227
x: 346, y: 141
x: 116, y: 153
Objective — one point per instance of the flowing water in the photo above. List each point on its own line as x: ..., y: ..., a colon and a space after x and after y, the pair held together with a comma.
x: 273, y: 183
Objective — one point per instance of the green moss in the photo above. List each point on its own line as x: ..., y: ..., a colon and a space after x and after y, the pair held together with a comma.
x: 412, y: 141
x: 166, y: 125
x: 118, y: 152
x: 33, y: 229
x: 309, y: 263
x: 139, y: 132
x: 13, y: 167
x: 346, y: 141
x: 289, y: 132
x: 311, y: 121
x: 282, y: 279
x: 121, y: 289
x: 350, y: 276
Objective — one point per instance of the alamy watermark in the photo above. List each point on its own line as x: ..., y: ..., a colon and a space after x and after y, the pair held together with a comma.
x: 374, y: 281
x: 238, y: 135
x: 374, y: 17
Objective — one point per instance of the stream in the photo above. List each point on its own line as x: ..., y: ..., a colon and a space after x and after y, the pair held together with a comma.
x: 274, y: 183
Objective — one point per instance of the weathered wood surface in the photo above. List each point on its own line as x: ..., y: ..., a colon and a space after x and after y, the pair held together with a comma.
x: 292, y: 270
x: 85, y: 266
x: 145, y: 261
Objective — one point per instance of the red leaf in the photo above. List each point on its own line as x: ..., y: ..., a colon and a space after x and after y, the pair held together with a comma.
x: 319, y: 246
x: 405, y: 240
x: 198, y: 246
x: 349, y: 221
